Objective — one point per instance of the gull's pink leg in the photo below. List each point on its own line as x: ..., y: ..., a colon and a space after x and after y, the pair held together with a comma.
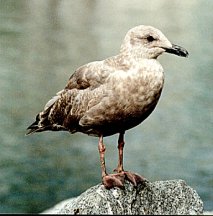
x: 121, y: 143
x: 102, y: 149
x: 109, y: 180
x: 132, y: 177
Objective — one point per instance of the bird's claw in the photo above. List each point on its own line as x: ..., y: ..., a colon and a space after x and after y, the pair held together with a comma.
x: 113, y: 180
x: 134, y: 178
x: 117, y: 179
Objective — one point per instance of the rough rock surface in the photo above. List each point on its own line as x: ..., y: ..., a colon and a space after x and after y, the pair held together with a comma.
x: 161, y: 197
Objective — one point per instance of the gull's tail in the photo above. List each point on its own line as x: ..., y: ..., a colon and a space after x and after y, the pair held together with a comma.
x: 41, y: 123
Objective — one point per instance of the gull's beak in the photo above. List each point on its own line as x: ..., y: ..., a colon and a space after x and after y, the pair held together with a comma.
x: 177, y: 50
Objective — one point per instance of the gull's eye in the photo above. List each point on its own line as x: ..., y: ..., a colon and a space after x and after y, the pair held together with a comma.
x: 150, y: 38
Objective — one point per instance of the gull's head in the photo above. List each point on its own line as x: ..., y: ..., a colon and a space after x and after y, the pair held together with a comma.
x: 148, y: 42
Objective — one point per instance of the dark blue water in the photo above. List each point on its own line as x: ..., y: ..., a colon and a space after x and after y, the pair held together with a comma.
x: 41, y: 45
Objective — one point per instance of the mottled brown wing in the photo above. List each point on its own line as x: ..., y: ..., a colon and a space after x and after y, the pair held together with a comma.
x: 90, y: 76
x: 64, y: 111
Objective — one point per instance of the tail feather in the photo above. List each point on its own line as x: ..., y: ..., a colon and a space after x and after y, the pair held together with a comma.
x: 31, y: 131
x: 36, y: 129
x: 41, y: 123
x: 36, y: 126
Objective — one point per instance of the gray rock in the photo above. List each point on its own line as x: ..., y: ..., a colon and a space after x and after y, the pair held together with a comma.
x: 161, y: 197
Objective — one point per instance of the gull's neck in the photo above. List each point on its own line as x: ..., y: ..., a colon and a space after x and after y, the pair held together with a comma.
x: 132, y: 55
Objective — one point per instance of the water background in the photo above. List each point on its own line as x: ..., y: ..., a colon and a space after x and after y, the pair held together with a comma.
x: 41, y: 45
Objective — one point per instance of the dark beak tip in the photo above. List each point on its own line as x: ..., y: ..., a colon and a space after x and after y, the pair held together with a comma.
x: 187, y: 54
x: 178, y: 50
x: 183, y: 52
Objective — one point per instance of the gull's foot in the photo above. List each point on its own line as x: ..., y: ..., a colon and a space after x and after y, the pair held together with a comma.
x: 114, y: 180
x: 117, y: 180
x: 134, y: 178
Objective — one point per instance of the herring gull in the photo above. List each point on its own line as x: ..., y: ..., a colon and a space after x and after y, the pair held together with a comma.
x: 106, y: 97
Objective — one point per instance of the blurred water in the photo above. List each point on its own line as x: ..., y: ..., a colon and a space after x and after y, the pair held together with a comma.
x: 43, y: 42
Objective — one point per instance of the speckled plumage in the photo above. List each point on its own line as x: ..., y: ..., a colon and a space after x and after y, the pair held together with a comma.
x: 111, y: 96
